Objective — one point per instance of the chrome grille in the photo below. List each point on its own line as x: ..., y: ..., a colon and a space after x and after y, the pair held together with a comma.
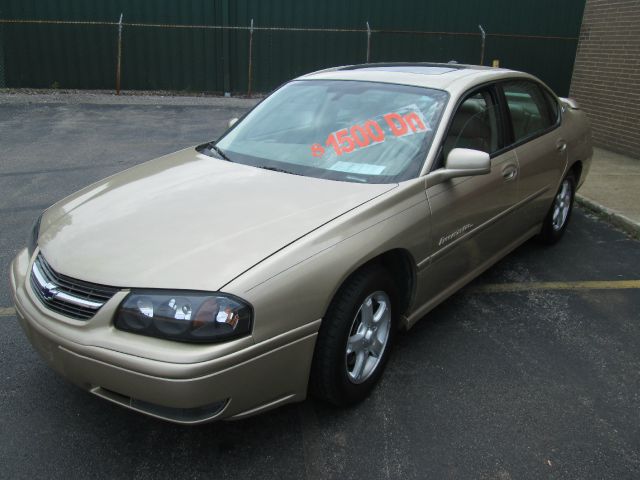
x: 67, y: 296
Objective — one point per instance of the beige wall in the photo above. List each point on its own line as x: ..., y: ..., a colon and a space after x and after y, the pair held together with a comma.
x: 606, y: 75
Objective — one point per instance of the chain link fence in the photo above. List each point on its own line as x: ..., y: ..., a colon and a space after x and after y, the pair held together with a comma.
x: 243, y: 59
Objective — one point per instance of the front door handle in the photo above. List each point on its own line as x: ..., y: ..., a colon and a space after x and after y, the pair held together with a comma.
x: 561, y: 146
x: 509, y: 172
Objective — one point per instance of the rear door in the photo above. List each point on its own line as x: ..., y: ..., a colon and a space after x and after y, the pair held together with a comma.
x: 534, y: 121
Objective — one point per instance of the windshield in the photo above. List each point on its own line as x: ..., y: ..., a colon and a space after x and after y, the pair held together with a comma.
x: 340, y: 130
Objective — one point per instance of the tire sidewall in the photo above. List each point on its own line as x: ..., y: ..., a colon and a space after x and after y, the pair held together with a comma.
x: 376, y: 279
x: 355, y: 392
x: 549, y: 234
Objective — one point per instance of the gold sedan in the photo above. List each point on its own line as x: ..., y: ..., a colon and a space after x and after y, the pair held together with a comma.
x: 230, y: 278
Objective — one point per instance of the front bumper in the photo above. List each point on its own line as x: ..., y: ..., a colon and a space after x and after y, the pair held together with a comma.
x: 254, y: 378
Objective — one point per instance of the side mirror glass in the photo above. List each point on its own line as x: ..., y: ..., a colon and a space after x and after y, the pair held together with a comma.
x: 232, y: 122
x: 461, y: 162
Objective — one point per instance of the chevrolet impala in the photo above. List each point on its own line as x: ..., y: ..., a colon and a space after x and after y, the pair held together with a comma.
x: 236, y: 276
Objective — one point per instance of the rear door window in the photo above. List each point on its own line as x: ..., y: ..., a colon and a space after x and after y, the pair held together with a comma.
x: 552, y: 103
x: 528, y: 108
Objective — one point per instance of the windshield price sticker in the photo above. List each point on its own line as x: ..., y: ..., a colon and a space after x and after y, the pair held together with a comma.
x: 372, y: 132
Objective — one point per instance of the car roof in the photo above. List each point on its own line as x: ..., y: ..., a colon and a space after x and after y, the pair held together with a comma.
x: 452, y: 77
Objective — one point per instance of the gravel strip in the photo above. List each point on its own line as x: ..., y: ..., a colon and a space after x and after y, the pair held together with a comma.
x: 27, y: 96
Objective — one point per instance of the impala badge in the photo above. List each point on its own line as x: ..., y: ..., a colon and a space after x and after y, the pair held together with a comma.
x: 456, y: 234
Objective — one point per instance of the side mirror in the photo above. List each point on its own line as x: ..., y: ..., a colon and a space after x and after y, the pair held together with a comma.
x: 232, y: 122
x: 461, y: 162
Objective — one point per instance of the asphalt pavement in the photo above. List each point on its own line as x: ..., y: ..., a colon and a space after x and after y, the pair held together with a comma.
x: 506, y: 383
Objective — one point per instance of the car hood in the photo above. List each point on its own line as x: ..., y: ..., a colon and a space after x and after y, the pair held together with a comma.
x: 188, y: 221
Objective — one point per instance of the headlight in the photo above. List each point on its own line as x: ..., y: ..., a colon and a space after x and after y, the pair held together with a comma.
x: 184, y: 316
x: 32, y: 242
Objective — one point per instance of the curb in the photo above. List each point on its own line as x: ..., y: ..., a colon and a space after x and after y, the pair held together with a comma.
x: 624, y: 223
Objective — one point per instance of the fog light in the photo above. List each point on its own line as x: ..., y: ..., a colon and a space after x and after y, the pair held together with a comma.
x: 180, y: 415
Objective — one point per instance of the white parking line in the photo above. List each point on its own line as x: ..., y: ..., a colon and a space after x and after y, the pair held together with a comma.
x: 7, y: 311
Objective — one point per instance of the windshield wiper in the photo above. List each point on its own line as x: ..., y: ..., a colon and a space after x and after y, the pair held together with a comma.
x: 275, y: 169
x: 219, y: 151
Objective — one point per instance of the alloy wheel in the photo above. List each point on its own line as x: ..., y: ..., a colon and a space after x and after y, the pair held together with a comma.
x: 562, y: 205
x: 368, y: 337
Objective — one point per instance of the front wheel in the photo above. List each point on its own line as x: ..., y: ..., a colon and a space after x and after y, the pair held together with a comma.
x: 354, y: 339
x: 556, y: 221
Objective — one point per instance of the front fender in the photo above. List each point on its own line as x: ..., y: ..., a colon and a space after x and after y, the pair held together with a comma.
x: 295, y: 286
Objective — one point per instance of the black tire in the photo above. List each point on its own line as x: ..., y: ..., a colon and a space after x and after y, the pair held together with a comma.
x: 330, y: 378
x: 550, y: 234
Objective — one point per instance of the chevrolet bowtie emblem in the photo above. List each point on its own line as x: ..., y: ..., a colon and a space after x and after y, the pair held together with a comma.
x: 49, y: 290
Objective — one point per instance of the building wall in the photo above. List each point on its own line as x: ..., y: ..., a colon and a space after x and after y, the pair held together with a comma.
x: 606, y: 76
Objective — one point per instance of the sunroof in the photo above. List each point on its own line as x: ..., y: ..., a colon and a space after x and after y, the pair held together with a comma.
x: 410, y: 69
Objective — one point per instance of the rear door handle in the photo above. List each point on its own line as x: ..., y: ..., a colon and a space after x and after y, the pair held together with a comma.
x: 509, y: 172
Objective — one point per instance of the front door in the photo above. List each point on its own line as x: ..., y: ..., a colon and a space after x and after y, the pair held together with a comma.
x: 470, y: 216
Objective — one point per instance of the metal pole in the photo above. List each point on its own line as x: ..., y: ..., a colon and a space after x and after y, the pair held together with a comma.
x: 119, y: 60
x: 226, y: 60
x: 368, y: 42
x: 2, y: 79
x: 484, y: 36
x: 250, y: 58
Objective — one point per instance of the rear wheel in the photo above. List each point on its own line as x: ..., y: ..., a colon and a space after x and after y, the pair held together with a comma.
x: 559, y: 214
x: 354, y: 339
